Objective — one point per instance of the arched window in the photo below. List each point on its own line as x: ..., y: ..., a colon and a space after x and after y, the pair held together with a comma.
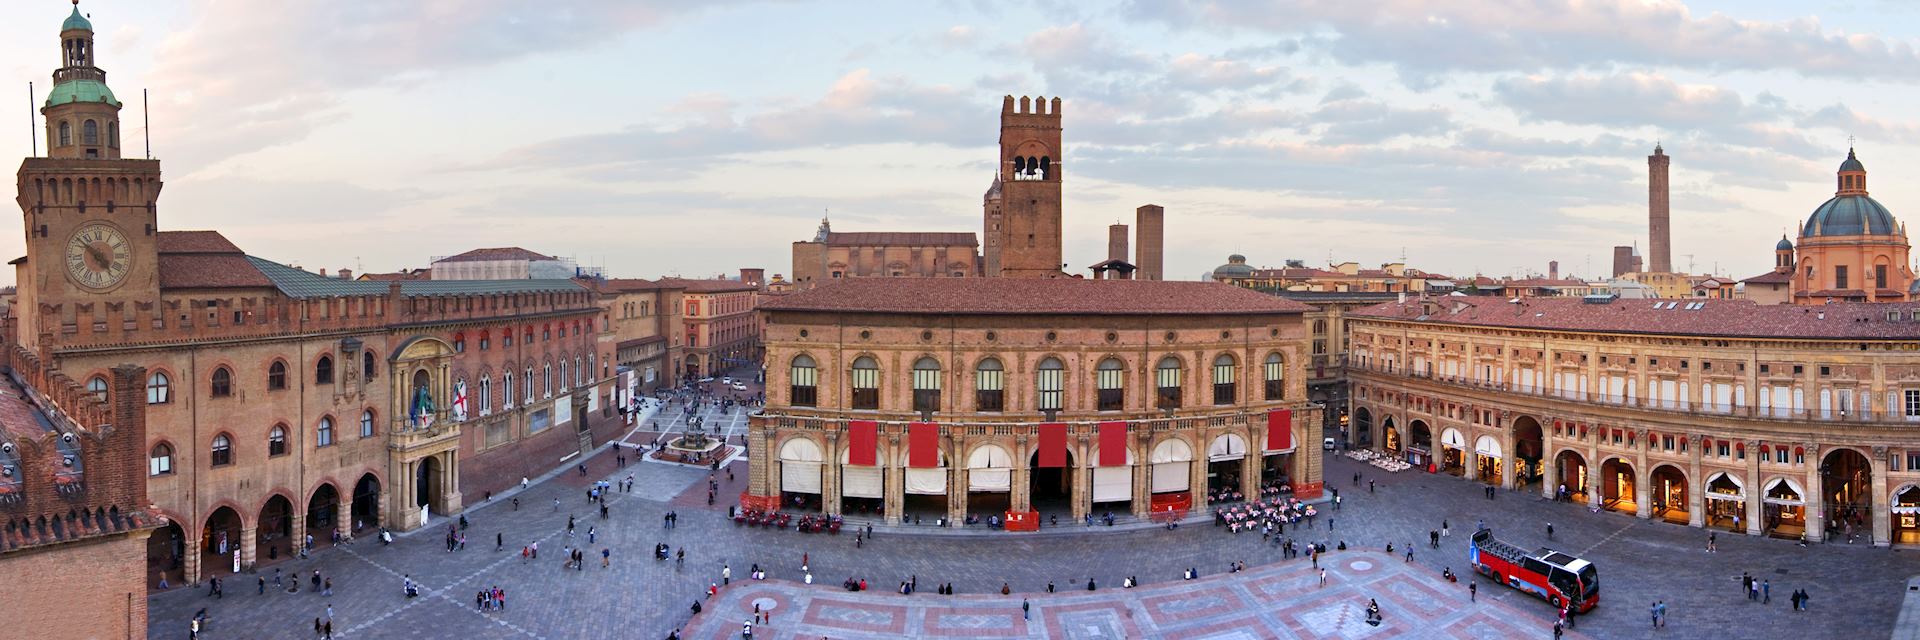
x: 323, y: 370
x: 802, y: 383
x: 1166, y: 382
x: 1109, y: 380
x: 366, y: 361
x: 1225, y: 375
x: 563, y: 373
x: 366, y: 423
x: 113, y: 134
x: 222, y: 451
x: 926, y: 385
x: 486, y: 395
x: 866, y: 383
x: 160, y: 460
x: 1051, y: 383
x: 159, y: 388
x: 580, y: 373
x: 66, y: 135
x: 97, y: 386
x: 526, y: 381
x: 277, y: 441
x: 506, y: 389
x: 546, y: 379
x: 1275, y: 376
x: 222, y: 385
x: 485, y: 339
x: 323, y: 435
x: 589, y: 369
x: 276, y: 376
x: 460, y: 343
x: 89, y: 132
x: 989, y: 386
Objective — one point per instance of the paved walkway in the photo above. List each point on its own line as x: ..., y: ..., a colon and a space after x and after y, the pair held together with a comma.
x: 1277, y: 601
x: 1856, y: 590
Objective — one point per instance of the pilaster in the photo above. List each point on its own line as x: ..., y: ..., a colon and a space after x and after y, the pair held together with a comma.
x: 1696, y: 485
x: 1882, y: 514
x: 1756, y: 493
x: 1815, y: 498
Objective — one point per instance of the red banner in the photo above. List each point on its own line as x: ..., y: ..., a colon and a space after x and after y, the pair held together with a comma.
x: 1279, y: 429
x: 923, y: 445
x: 1113, y: 444
x: 1053, y: 445
x: 862, y: 443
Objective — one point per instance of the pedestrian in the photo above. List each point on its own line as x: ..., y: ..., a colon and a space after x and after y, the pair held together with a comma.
x: 1661, y: 606
x: 1653, y: 611
x: 1549, y: 531
x: 263, y: 584
x: 1025, y: 610
x: 1766, y: 591
x: 327, y: 590
x: 499, y: 541
x: 803, y: 560
x: 1746, y: 585
x: 1558, y: 630
x: 1049, y: 586
x: 1473, y: 590
x: 606, y: 555
x: 1323, y: 577
x: 726, y: 573
x: 1369, y: 486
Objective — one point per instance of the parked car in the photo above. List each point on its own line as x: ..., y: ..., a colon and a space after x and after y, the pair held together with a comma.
x: 1327, y: 444
x: 738, y: 386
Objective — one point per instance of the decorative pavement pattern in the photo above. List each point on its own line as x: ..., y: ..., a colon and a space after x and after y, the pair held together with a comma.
x: 1277, y: 601
x: 1856, y: 590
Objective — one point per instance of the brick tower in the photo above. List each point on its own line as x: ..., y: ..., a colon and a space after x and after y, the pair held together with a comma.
x: 1023, y: 206
x: 1150, y: 227
x: 1659, y: 247
x: 1117, y: 242
x: 89, y: 214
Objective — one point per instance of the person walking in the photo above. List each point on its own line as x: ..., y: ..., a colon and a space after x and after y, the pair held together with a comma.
x: 499, y: 541
x: 1026, y: 610
x: 1549, y: 531
x: 726, y: 574
x: 1766, y: 592
x: 1473, y: 590
x: 1323, y: 578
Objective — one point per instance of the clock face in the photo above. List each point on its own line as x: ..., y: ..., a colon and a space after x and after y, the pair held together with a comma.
x: 98, y: 257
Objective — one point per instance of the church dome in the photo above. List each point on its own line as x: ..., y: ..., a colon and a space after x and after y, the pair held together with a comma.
x: 76, y: 21
x: 1236, y: 267
x: 1850, y: 215
x: 1783, y: 245
x: 1852, y: 163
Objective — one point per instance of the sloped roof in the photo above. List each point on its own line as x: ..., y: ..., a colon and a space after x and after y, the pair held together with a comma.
x: 295, y: 283
x: 495, y: 253
x: 195, y: 242
x: 1717, y: 318
x: 1000, y: 296
x: 1770, y: 277
x: 706, y: 286
x: 205, y: 260
x: 902, y: 238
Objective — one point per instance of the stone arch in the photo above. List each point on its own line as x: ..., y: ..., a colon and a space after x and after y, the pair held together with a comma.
x: 1669, y: 493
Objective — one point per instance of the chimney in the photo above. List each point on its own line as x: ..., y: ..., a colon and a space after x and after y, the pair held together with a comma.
x: 323, y: 272
x: 1150, y: 236
x: 1659, y: 247
x: 346, y: 274
x: 1553, y: 269
x: 1117, y: 242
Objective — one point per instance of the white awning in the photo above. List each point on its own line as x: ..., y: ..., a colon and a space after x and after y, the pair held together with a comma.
x: 1170, y: 476
x: 799, y: 477
x: 1792, y: 497
x: 1452, y: 439
x: 1227, y: 447
x: 800, y: 450
x: 861, y: 482
x: 1732, y: 497
x: 927, y: 482
x: 989, y: 456
x: 990, y: 480
x: 1112, y: 484
x: 1171, y: 450
x: 1487, y: 446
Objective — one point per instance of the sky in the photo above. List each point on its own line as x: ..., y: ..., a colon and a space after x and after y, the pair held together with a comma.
x: 695, y: 138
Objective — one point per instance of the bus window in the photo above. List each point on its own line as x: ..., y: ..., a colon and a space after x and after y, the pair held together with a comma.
x: 1590, y: 579
x: 1563, y: 580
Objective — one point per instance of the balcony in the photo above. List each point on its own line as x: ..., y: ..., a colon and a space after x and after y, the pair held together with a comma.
x: 404, y: 434
x: 1678, y: 407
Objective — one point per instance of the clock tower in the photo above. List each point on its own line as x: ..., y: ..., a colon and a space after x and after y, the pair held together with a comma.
x: 92, y: 255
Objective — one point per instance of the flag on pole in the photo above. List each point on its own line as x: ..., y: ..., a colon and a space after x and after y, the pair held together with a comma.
x: 460, y: 401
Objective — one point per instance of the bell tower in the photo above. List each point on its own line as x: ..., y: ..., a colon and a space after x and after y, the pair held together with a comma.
x: 88, y: 213
x: 1025, y: 239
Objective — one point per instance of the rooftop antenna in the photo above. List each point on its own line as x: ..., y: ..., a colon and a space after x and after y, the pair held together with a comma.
x: 1689, y: 262
x: 146, y: 122
x: 32, y: 127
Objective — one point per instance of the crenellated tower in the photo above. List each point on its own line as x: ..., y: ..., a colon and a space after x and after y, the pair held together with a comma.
x: 1022, y: 208
x: 88, y: 214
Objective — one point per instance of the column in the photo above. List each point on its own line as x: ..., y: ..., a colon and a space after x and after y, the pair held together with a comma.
x: 1756, y: 494
x: 343, y: 514
x: 450, y: 501
x: 1082, y: 481
x: 1550, y: 463
x: 1512, y: 460
x: 1642, y: 483
x: 1142, y: 491
x: 956, y: 480
x: 191, y: 563
x: 249, y: 539
x: 1256, y: 463
x: 298, y: 523
x: 1471, y: 456
x: 1594, y: 492
x: 831, y: 465
x: 1020, y: 496
x: 894, y: 484
x: 1815, y: 498
x: 1197, y: 471
x: 1696, y: 485
x: 1882, y: 514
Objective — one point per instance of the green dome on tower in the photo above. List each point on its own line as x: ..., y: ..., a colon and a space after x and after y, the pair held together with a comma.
x: 76, y: 21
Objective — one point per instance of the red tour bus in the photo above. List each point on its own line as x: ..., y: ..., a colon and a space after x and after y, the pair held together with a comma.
x: 1556, y: 577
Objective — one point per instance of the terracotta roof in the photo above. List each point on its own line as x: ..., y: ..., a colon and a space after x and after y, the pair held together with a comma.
x: 195, y: 242
x: 209, y: 271
x: 706, y: 286
x: 1722, y: 318
x: 410, y: 274
x: 995, y: 296
x: 495, y: 253
x: 1295, y: 272
x: 902, y: 238
x: 1771, y: 277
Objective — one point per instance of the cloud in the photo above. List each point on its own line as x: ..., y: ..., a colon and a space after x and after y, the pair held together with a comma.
x: 236, y: 81
x: 1421, y: 38
x: 1361, y: 121
x: 1628, y: 99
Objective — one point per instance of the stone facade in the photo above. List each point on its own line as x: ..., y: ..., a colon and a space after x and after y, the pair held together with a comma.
x: 1740, y: 421
x: 1046, y: 369
x: 719, y: 325
x: 1023, y: 207
x: 833, y: 255
x: 1150, y: 225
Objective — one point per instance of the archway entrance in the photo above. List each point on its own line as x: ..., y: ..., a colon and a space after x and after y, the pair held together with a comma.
x: 1389, y: 437
x: 926, y: 491
x: 1420, y: 447
x: 1453, y: 452
x: 989, y: 482
x: 862, y: 487
x: 323, y: 515
x: 1529, y: 445
x: 1488, y: 454
x: 366, y: 503
x: 1668, y: 486
x: 1571, y: 473
x: 1726, y: 501
x: 800, y: 471
x: 1226, y: 458
x: 1050, y: 489
x: 1170, y: 476
x: 426, y: 483
x: 275, y: 531
x: 1617, y: 486
x: 1784, y: 509
x: 1113, y: 487
x: 1846, y: 481
x: 1906, y: 515
x: 167, y: 556
x: 220, y: 542
x: 1363, y: 428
